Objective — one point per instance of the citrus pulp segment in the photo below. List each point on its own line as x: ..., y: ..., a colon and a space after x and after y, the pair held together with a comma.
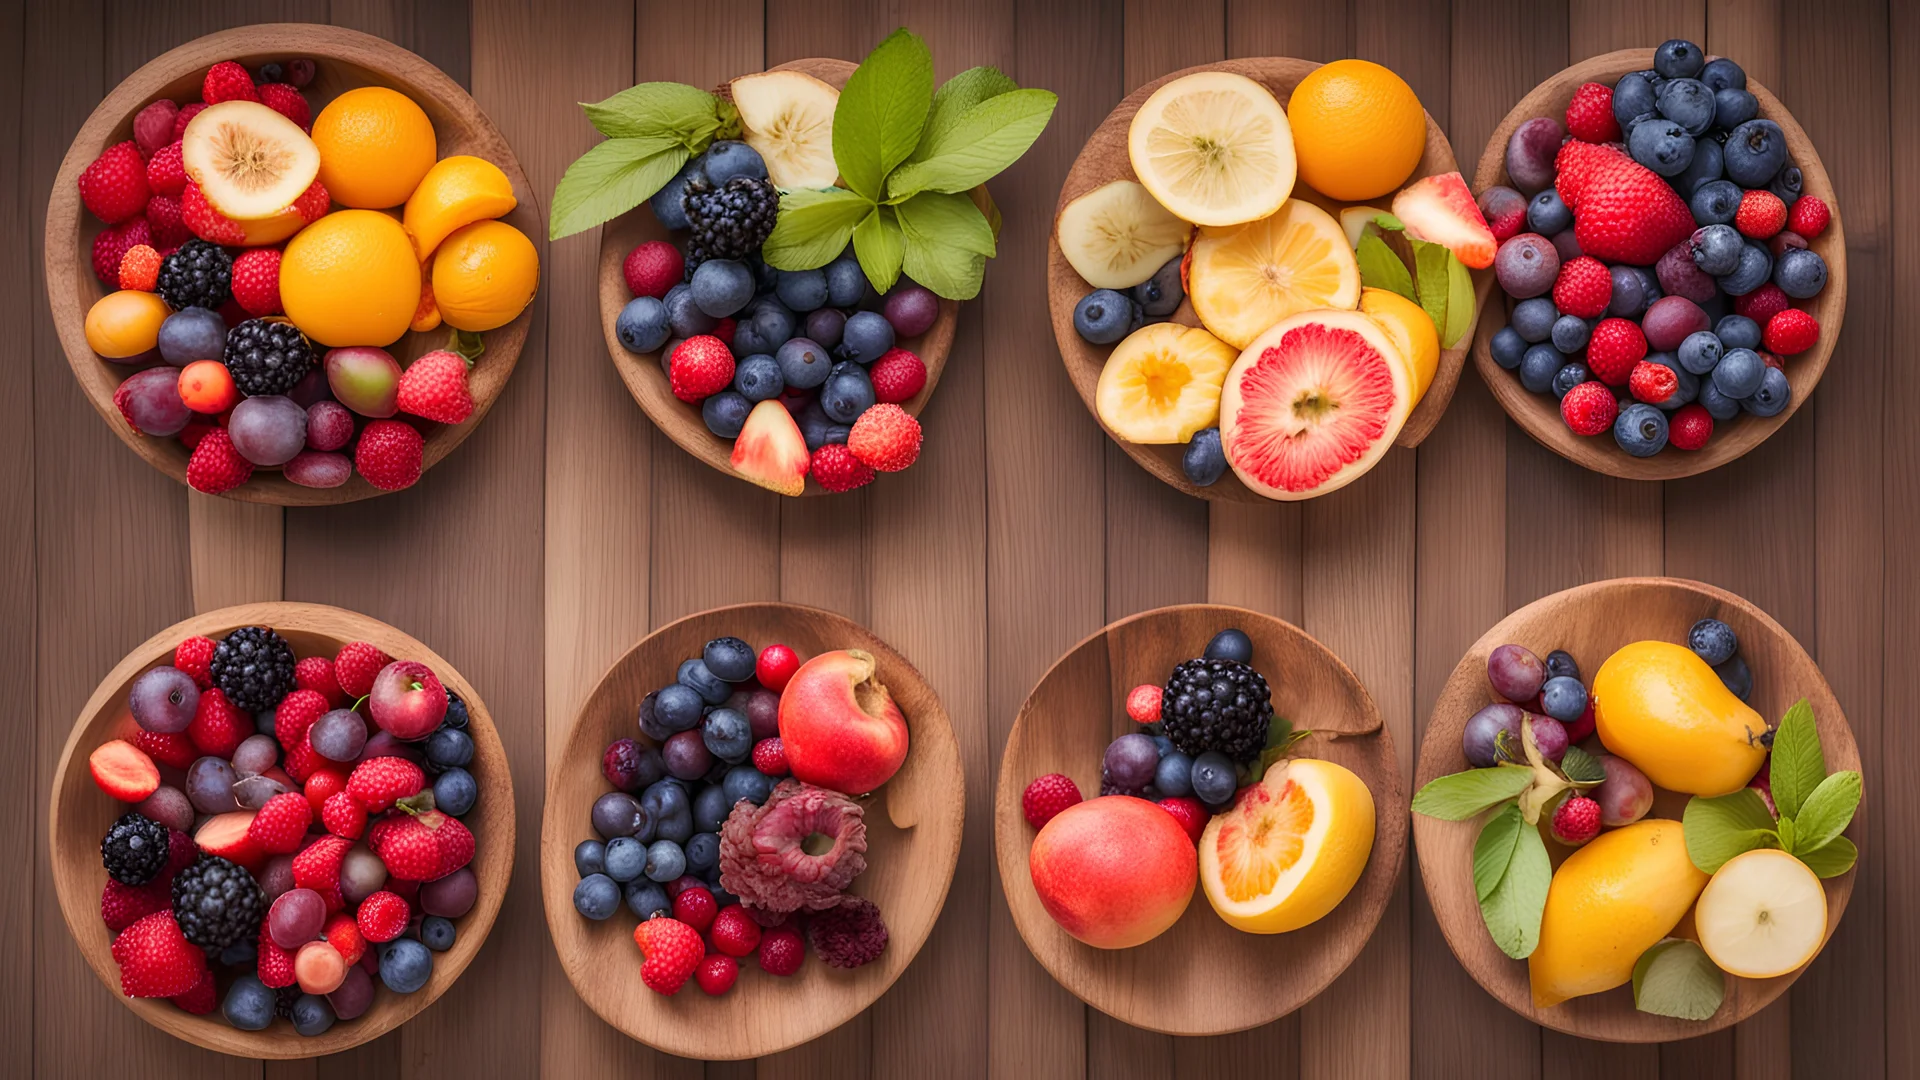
x: 1162, y: 383
x: 1764, y: 914
x: 1290, y: 848
x: 1411, y: 329
x: 1214, y: 147
x: 1243, y: 280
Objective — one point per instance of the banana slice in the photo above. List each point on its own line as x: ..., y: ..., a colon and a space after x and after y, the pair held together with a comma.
x: 1118, y: 235
x: 1214, y: 148
x: 250, y: 161
x: 788, y: 118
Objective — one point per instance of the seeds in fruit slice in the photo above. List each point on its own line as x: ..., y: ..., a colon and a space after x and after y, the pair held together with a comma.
x: 1290, y: 848
x: 1214, y: 148
x: 770, y: 450
x: 1763, y: 914
x: 788, y: 118
x: 249, y: 161
x: 1313, y: 403
x: 1162, y: 383
x: 1243, y: 280
x: 1117, y: 235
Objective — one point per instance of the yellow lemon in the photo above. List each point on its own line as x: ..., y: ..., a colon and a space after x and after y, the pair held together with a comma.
x: 1408, y: 324
x: 375, y: 146
x: 457, y: 191
x: 484, y: 275
x: 125, y: 324
x: 1358, y: 130
x: 1162, y: 383
x: 1662, y: 708
x: 1609, y: 902
x: 351, y: 278
x: 1290, y: 848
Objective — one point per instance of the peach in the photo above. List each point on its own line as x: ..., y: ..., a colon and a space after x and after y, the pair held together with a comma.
x: 840, y: 726
x: 1115, y: 871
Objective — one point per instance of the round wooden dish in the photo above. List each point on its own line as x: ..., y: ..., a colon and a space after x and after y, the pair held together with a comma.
x: 344, y: 59
x: 1104, y: 160
x: 1539, y: 414
x: 1591, y: 621
x: 912, y: 848
x: 1201, y: 977
x: 80, y: 814
x: 645, y: 373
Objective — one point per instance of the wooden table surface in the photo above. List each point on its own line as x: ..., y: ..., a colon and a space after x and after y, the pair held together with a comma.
x: 566, y: 527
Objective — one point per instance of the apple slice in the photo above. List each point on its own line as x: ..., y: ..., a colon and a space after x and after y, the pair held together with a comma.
x: 1440, y: 210
x: 770, y: 450
x: 249, y: 161
x: 787, y: 116
x: 225, y: 835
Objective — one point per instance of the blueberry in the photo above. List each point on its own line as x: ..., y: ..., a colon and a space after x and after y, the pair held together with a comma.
x: 642, y: 326
x: 1159, y: 296
x: 848, y: 392
x: 1733, y: 107
x: 710, y: 809
x: 1570, y: 334
x: 1174, y: 775
x: 1204, y: 461
x: 721, y: 287
x: 1534, y: 319
x: 590, y: 857
x: 1688, y: 103
x: 802, y: 290
x: 1756, y: 266
x: 678, y: 707
x: 249, y: 1005
x: 1230, y: 644
x: 1564, y: 698
x: 747, y: 782
x: 625, y: 858
x: 1508, y: 347
x: 1546, y: 214
x: 1716, y: 249
x: 1787, y: 183
x: 1102, y: 316
x: 1213, y: 778
x: 767, y: 326
x: 727, y: 159
x: 1800, y: 273
x: 456, y: 713
x: 817, y: 428
x: 1715, y: 202
x: 1739, y: 373
x: 240, y: 954
x: 666, y: 861
x: 1568, y: 377
x: 758, y: 377
x: 729, y: 658
x: 1723, y: 74
x: 684, y: 317
x: 1640, y: 429
x: 665, y: 797
x: 695, y: 674
x: 1738, y: 332
x: 1718, y: 405
x: 1755, y: 152
x: 1708, y: 164
x: 846, y: 282
x: 617, y: 813
x: 454, y: 792
x: 727, y: 735
x: 437, y: 933
x: 192, y: 334
x: 647, y: 899
x: 597, y: 897
x: 1772, y: 397
x: 1700, y: 351
x: 1627, y: 300
x: 1633, y: 98
x: 825, y: 326
x: 311, y: 1015
x: 868, y: 335
x: 406, y: 965
x: 1678, y: 58
x: 667, y: 203
x: 1661, y: 145
x: 1539, y: 366
x: 1713, y: 641
x: 725, y: 413
x: 1736, y: 676
x: 803, y: 363
x: 703, y: 852
x: 1560, y: 663
x: 449, y: 747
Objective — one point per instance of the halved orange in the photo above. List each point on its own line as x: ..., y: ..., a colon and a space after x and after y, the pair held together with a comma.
x: 1245, y: 279
x: 1290, y: 849
x: 1214, y: 147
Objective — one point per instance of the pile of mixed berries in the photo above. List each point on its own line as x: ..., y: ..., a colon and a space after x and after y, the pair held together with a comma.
x: 1656, y: 254
x: 282, y: 848
x: 800, y: 368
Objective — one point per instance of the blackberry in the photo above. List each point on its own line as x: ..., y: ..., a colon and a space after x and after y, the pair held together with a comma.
x: 730, y: 222
x: 284, y: 998
x: 199, y: 274
x: 134, y: 849
x: 254, y: 668
x: 267, y: 357
x: 217, y: 903
x: 1221, y: 705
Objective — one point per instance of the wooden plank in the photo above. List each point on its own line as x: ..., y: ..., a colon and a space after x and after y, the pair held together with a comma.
x: 237, y: 551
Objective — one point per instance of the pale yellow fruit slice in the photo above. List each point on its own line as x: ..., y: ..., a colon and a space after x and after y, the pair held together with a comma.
x: 1118, y: 235
x: 1289, y: 849
x: 1764, y: 914
x: 787, y: 117
x: 1162, y: 383
x: 1243, y: 280
x: 1214, y: 148
x: 1358, y: 221
x: 249, y: 161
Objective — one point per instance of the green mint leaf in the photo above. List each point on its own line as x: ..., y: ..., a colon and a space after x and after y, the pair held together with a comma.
x: 1513, y: 908
x: 988, y: 137
x: 1581, y: 767
x: 1459, y: 303
x: 1388, y: 221
x: 881, y: 248
x: 1676, y: 978
x: 949, y: 220
x: 467, y: 345
x: 611, y: 179
x: 1719, y: 828
x: 1380, y: 268
x: 664, y: 109
x: 1831, y: 859
x: 813, y: 227
x: 1464, y: 794
x: 1826, y: 812
x: 881, y: 112
x: 951, y: 273
x: 955, y: 97
x: 1798, y: 765
x: 1430, y: 280
x: 1493, y: 850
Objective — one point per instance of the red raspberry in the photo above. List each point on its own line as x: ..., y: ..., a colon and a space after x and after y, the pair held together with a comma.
x: 140, y: 268
x: 1047, y: 796
x: 734, y: 932
x: 111, y: 245
x: 216, y: 466
x: 200, y: 1000
x: 653, y: 268
x: 1576, y: 821
x: 776, y: 665
x: 1773, y: 360
x: 227, y: 81
x: 724, y: 331
x: 343, y: 815
x: 195, y: 657
x: 1614, y: 347
x: 1590, y: 114
x: 281, y: 824
x: 1652, y: 383
x: 1189, y: 812
x: 695, y: 907
x: 166, y: 173
x: 343, y: 933
x: 1143, y: 703
x: 317, y: 867
x: 770, y: 756
x: 716, y: 973
x: 1762, y: 304
x: 390, y: 454
x: 185, y: 116
x: 1584, y: 287
x: 1690, y: 428
x: 275, y: 963
x: 323, y: 783
x: 672, y: 950
x: 302, y: 761
x: 1589, y: 408
x: 1761, y: 214
x: 1791, y: 332
x: 153, y: 125
x: 123, y: 905
x: 380, y: 782
x: 700, y: 367
x: 316, y: 673
x: 181, y: 853
x: 286, y: 101
x: 1809, y: 216
x: 887, y: 437
x: 897, y: 376
x: 781, y: 951
x: 114, y: 187
x: 164, y: 224
x: 256, y: 281
x: 173, y: 748
x: 383, y: 916
x: 835, y: 468
x: 219, y: 726
x: 295, y: 714
x: 434, y: 387
x: 356, y: 665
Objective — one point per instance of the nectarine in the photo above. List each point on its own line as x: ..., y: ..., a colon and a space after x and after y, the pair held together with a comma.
x: 1115, y: 871
x: 839, y: 726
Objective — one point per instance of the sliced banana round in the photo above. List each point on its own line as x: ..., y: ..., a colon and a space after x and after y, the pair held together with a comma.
x: 787, y: 117
x: 1116, y: 236
x: 250, y: 161
x: 1214, y: 148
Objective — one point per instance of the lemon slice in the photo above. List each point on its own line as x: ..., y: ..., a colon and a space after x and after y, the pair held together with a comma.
x: 1290, y: 848
x: 1214, y: 148
x: 1244, y: 280
x: 1162, y: 383
x: 1764, y: 914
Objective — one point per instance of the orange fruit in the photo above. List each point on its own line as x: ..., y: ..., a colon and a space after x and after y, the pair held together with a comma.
x: 125, y: 324
x: 351, y: 278
x: 1244, y: 279
x: 1290, y: 848
x: 375, y: 146
x: 1411, y: 328
x: 484, y: 275
x: 1358, y: 130
x: 457, y: 191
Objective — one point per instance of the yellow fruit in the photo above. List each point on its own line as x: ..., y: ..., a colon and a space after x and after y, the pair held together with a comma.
x: 1244, y: 280
x: 351, y: 278
x: 1117, y: 236
x: 1162, y: 383
x: 1214, y: 148
x: 1763, y: 914
x: 787, y: 117
x: 1358, y: 130
x: 484, y: 275
x: 375, y: 146
x: 457, y: 191
x: 1290, y: 849
x: 127, y: 323
x: 1609, y: 902
x: 1662, y: 708
x: 251, y: 163
x: 1411, y: 328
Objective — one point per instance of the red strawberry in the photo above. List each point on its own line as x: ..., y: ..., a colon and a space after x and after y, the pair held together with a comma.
x: 390, y: 454
x: 1691, y: 426
x: 1622, y: 211
x: 219, y: 726
x: 281, y: 824
x: 200, y: 1000
x: 1589, y: 408
x: 424, y: 847
x: 897, y: 376
x: 343, y: 815
x: 1584, y: 287
x: 672, y: 950
x: 163, y: 219
x: 1652, y: 383
x: 256, y: 281
x: 286, y: 101
x: 199, y: 216
x: 1439, y: 209
x: 153, y: 125
x: 695, y: 907
x: 343, y: 933
x: 700, y: 367
x: 1190, y: 813
x: 1791, y: 331
x: 1613, y: 349
x: 1576, y: 163
x: 1590, y: 114
x: 185, y: 116
x: 275, y: 963
x: 295, y: 714
x: 114, y: 187
x: 123, y: 905
x: 195, y: 657
x: 886, y: 438
x: 140, y: 268
x: 156, y: 959
x: 1143, y: 703
x: 435, y: 387
x: 318, y: 868
x: 1809, y: 216
x: 1576, y: 821
x: 1046, y: 796
x: 383, y: 916
x: 321, y: 784
x: 166, y: 747
x: 1762, y: 304
x: 111, y: 245
x: 380, y: 782
x: 166, y: 174
x: 215, y: 466
x: 716, y: 973
x: 302, y: 761
x: 356, y: 665
x: 835, y: 468
x: 316, y: 673
x: 1761, y: 214
x: 227, y: 81
x: 653, y: 268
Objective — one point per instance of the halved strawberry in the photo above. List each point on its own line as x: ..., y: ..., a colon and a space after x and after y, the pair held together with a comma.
x: 1440, y: 210
x: 123, y: 771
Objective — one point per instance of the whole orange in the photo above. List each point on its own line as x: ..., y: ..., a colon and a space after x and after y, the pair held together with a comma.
x: 1358, y: 130
x: 375, y: 145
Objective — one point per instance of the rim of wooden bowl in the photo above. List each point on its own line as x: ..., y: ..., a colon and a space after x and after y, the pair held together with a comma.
x: 1104, y: 159
x: 1658, y: 607
x: 79, y: 813
x: 760, y: 1016
x: 1174, y: 983
x: 1539, y: 415
x: 644, y: 373
x: 360, y: 60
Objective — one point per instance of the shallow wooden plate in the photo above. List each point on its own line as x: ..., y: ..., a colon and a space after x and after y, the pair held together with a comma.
x: 1104, y: 160
x: 645, y: 373
x: 343, y: 59
x: 80, y: 814
x: 913, y: 844
x: 1539, y: 414
x: 1591, y: 621
x: 1201, y: 977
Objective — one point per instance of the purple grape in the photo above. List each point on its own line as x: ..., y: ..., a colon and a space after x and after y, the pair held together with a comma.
x: 268, y: 430
x: 329, y: 425
x: 912, y: 310
x: 252, y: 792
x: 361, y: 874
x: 210, y: 783
x: 1131, y: 760
x: 1479, y: 740
x: 338, y: 735
x: 317, y: 470
x: 452, y: 896
x: 618, y: 814
x: 825, y: 327
x: 151, y: 399
x: 1669, y: 320
x: 169, y: 806
x: 1516, y: 674
x: 1680, y: 276
x: 1531, y: 152
x: 296, y: 918
x: 353, y: 997
x: 256, y: 754
x: 1526, y: 265
x: 383, y: 744
x: 276, y: 878
x: 311, y: 389
x: 1549, y: 735
x: 1567, y: 244
x: 164, y: 700
x: 686, y: 755
x: 763, y: 714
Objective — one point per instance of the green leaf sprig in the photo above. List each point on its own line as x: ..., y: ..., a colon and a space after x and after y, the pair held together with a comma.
x: 1440, y: 282
x: 1811, y: 807
x: 1676, y: 978
x: 653, y: 129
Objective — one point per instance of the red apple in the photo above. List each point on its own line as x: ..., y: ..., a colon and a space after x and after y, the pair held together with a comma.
x: 408, y: 701
x: 1115, y: 871
x: 839, y: 726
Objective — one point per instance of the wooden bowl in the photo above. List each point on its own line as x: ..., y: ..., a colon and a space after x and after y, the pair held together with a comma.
x: 1591, y: 621
x: 344, y: 59
x: 80, y: 814
x: 912, y: 849
x: 1104, y: 160
x: 1201, y: 977
x: 1539, y: 414
x: 646, y: 373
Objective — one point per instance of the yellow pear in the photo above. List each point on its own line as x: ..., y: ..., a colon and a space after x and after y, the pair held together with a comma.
x: 1609, y: 902
x: 1662, y: 708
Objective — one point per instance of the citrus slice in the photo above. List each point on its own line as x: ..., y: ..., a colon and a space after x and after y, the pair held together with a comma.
x: 1412, y: 331
x: 457, y: 191
x: 1243, y: 280
x: 1162, y: 383
x: 1290, y: 848
x: 1764, y: 914
x: 1214, y: 148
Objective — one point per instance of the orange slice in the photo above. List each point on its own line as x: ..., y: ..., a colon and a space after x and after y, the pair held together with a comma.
x: 1244, y: 280
x: 1290, y: 849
